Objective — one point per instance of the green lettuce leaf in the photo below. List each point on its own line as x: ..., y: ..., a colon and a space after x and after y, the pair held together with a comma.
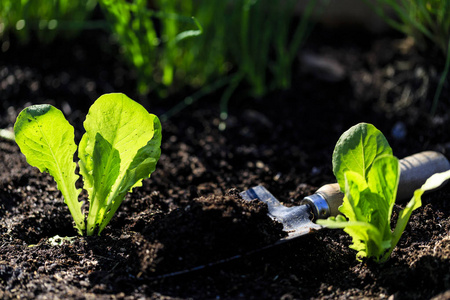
x: 369, y: 175
x: 47, y: 141
x: 356, y: 150
x: 104, y: 173
x: 363, y: 158
x: 367, y: 240
x: 119, y: 127
x: 142, y: 166
x: 383, y: 179
x: 120, y: 148
x: 366, y: 210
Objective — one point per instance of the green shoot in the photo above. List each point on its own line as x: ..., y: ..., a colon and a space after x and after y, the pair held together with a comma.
x: 120, y: 148
x: 368, y: 173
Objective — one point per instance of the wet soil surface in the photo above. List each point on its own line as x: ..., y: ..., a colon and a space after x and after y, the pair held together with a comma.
x: 186, y: 233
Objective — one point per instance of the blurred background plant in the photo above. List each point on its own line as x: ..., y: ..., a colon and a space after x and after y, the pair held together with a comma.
x: 427, y: 22
x: 150, y: 35
x: 213, y: 44
x: 254, y: 40
x: 263, y: 42
x: 46, y: 18
x: 172, y: 44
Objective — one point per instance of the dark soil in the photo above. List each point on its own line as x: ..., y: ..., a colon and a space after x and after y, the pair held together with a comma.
x: 189, y: 213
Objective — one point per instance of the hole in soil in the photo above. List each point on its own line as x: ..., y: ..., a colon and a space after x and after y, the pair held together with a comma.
x: 32, y: 229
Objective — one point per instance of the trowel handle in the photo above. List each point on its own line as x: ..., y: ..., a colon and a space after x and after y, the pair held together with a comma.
x: 415, y: 170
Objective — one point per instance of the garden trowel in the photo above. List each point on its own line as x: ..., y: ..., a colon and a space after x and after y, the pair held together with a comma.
x: 299, y: 220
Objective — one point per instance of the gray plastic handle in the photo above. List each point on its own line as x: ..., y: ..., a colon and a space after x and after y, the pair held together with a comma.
x: 415, y: 170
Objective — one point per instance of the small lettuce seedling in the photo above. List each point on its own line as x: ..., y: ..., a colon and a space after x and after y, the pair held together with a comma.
x: 120, y: 148
x: 369, y: 174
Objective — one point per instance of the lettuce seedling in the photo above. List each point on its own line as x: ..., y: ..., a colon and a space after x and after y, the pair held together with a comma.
x: 368, y: 174
x: 120, y: 148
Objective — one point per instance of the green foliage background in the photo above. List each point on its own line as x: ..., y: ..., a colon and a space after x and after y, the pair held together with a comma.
x: 172, y: 43
x: 212, y: 44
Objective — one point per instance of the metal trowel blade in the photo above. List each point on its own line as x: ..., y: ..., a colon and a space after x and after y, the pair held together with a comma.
x: 296, y: 220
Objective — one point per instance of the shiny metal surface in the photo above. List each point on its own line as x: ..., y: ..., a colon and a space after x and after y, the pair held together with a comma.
x: 296, y: 220
x: 318, y: 204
